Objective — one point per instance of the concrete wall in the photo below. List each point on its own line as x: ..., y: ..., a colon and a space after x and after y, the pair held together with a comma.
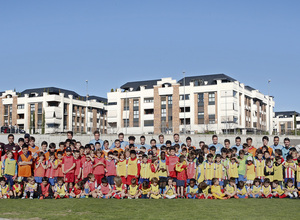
x: 295, y: 140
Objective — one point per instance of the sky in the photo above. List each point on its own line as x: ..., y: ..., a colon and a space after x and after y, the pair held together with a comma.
x: 64, y: 43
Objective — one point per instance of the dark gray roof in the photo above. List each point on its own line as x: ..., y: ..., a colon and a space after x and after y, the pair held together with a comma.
x: 249, y: 88
x: 211, y: 79
x: 136, y: 85
x: 287, y: 114
x: 55, y: 90
x: 1, y: 93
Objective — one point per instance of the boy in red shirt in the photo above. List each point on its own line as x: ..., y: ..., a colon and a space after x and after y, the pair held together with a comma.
x: 171, y: 162
x: 87, y: 166
x: 68, y: 167
x: 111, y: 170
x: 99, y: 165
x: 78, y: 166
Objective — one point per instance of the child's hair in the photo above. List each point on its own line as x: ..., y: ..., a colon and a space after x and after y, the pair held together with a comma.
x: 289, y: 157
x: 45, y: 179
x: 109, y: 153
x: 256, y: 180
x: 259, y: 151
x: 278, y: 158
x: 133, y: 181
x: 224, y: 150
x: 31, y: 178
x: 181, y: 157
x: 203, y: 185
x: 233, y: 158
x: 218, y: 156
x: 104, y: 180
x: 163, y: 147
x: 209, y: 156
x: 289, y: 181
x: 241, y: 152
x: 276, y: 182
x: 25, y: 146
x: 278, y: 151
x: 8, y: 152
x: 192, y: 180
x: 145, y: 185
x: 41, y: 154
x: 90, y: 175
x: 267, y: 180
x: 60, y: 153
x: 200, y: 159
x: 268, y: 160
x: 154, y: 159
x: 132, y: 152
x: 190, y: 156
x: 214, y: 180
x: 60, y: 179
x: 144, y: 156
x: 232, y: 180
x: 212, y: 148
x: 80, y: 184
x: 154, y: 180
x: 241, y: 184
x: 2, y: 179
x: 184, y: 149
x: 245, y: 145
x: 172, y: 148
x: 118, y: 180
x: 98, y: 151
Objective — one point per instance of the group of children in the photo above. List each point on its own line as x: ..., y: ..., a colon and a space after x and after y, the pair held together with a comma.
x: 178, y: 171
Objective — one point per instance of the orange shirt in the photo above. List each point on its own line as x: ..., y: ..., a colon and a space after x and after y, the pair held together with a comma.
x: 25, y: 170
x: 269, y: 149
x: 252, y: 150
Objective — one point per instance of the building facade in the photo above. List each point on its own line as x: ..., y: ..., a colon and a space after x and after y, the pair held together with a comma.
x: 286, y: 122
x: 52, y: 110
x: 195, y: 104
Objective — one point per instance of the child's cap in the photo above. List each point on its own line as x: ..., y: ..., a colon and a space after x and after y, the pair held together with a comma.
x: 68, y: 149
x: 250, y: 158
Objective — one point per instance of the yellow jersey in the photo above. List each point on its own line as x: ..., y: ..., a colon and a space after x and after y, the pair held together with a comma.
x: 229, y: 188
x: 170, y: 191
x: 278, y: 172
x: 233, y: 170
x: 154, y: 188
x: 250, y: 173
x: 162, y: 164
x: 266, y: 190
x: 259, y: 165
x: 216, y: 189
x: 242, y: 191
x: 200, y: 173
x: 256, y: 189
x: 209, y: 170
x: 298, y: 173
x: 206, y: 190
x: 278, y: 190
x: 121, y: 168
x: 270, y: 169
x: 219, y: 171
x: 145, y: 171
x: 133, y: 190
x: 132, y: 166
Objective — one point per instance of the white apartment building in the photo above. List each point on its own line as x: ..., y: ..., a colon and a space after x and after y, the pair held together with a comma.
x: 285, y: 122
x: 196, y: 104
x: 52, y: 110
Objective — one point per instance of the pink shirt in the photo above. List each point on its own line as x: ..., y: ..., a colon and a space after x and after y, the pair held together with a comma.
x: 87, y: 168
x: 99, y: 170
x: 191, y: 170
x: 68, y: 162
x: 111, y: 168
x: 78, y: 166
x: 50, y: 170
x: 40, y: 171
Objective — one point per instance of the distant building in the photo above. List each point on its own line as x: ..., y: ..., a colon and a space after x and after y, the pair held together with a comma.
x: 197, y: 104
x: 52, y: 110
x: 285, y: 122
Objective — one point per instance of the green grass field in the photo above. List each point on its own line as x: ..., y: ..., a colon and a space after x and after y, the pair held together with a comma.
x: 150, y: 209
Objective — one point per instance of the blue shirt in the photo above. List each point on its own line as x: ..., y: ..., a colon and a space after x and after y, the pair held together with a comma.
x: 159, y: 145
x: 147, y: 146
x: 218, y: 147
x: 285, y: 152
x: 94, y: 142
x: 123, y: 145
x: 276, y: 147
x: 180, y: 143
x: 238, y: 148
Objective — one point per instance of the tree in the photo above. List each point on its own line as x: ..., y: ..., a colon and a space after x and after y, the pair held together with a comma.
x: 112, y: 90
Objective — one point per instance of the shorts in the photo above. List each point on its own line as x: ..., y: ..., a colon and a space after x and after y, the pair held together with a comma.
x: 241, y: 178
x: 38, y: 179
x: 129, y: 178
x: 208, y: 182
x: 144, y: 196
x: 221, y: 183
x: 143, y: 180
x: 99, y: 178
x: 52, y: 181
x: 69, y: 177
x: 249, y: 182
x: 180, y: 182
x: 110, y: 180
x: 242, y: 196
x: 255, y: 196
x: 286, y: 179
x: 123, y: 179
x: 163, y: 179
x: 298, y: 184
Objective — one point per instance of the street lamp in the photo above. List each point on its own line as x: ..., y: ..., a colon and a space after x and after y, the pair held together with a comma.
x: 184, y: 103
x: 87, y: 103
x: 269, y: 112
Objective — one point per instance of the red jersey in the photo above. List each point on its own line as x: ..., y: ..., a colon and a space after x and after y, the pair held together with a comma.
x: 104, y: 189
x: 68, y: 162
x: 191, y: 170
x: 99, y: 170
x: 111, y: 167
x: 87, y: 168
x: 50, y: 170
x: 92, y: 185
x: 39, y: 171
x: 78, y: 166
x: 171, y: 162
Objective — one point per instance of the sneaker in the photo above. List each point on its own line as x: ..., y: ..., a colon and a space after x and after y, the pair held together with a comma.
x: 23, y: 197
x: 5, y: 197
x: 41, y: 198
x: 30, y: 197
x: 236, y: 197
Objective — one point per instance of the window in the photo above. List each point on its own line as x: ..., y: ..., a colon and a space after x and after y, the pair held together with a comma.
x: 149, y: 111
x: 200, y: 99
x: 234, y: 93
x: 211, y: 98
x: 187, y: 97
x: 170, y: 100
x: 135, y: 114
x: 21, y: 106
x: 148, y: 100
x: 163, y: 112
x: 211, y: 119
x: 136, y: 103
x: 148, y: 123
x: 112, y: 103
x: 32, y: 107
x: 126, y: 122
x: 126, y: 104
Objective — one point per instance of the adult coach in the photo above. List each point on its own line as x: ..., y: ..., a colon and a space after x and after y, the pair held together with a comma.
x: 216, y: 144
x: 11, y: 146
x: 97, y: 139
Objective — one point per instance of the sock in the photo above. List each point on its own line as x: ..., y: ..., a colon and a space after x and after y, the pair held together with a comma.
x: 295, y: 194
x: 31, y: 194
x: 290, y: 195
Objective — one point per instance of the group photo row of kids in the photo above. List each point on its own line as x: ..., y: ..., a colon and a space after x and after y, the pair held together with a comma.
x: 162, y: 169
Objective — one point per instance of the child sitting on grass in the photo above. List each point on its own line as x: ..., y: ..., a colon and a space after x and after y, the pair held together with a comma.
x: 30, y: 188
x: 60, y: 189
x: 230, y: 189
x: 205, y: 191
x: 17, y: 189
x: 154, y: 192
x: 77, y: 192
x: 170, y: 192
x: 5, y: 193
x: 255, y: 190
x: 104, y: 189
x: 133, y: 190
x: 45, y: 189
x: 216, y: 189
x: 266, y: 189
x: 192, y: 190
x: 119, y: 188
x: 241, y: 190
